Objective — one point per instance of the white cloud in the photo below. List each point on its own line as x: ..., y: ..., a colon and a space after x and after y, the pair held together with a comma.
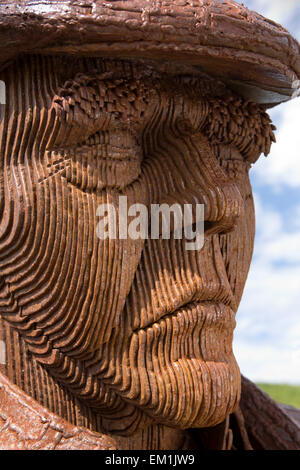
x: 267, y: 339
x: 277, y: 10
x: 274, y: 243
x: 282, y: 167
x: 268, y: 364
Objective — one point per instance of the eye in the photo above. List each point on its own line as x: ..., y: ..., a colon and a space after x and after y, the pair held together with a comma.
x: 231, y: 160
x: 96, y: 127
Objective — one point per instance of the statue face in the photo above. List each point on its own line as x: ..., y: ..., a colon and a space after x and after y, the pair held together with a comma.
x: 141, y: 331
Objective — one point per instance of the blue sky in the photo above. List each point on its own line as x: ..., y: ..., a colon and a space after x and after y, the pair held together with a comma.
x: 267, y: 337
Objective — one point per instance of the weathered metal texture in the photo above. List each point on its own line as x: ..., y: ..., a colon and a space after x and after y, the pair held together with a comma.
x: 130, y: 337
x: 26, y: 425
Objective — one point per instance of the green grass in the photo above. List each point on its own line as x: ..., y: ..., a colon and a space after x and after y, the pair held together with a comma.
x: 282, y: 393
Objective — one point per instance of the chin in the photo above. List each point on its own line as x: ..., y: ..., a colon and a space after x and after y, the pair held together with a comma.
x: 214, y: 395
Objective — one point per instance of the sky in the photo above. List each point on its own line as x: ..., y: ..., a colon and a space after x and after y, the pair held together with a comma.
x: 267, y: 337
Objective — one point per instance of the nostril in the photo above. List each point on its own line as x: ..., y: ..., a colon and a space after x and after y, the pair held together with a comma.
x: 221, y: 227
x: 230, y: 208
x: 211, y: 228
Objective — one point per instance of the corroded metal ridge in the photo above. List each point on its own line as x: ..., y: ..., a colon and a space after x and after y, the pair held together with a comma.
x: 257, y: 57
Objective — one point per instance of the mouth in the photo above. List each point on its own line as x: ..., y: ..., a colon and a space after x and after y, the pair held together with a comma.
x: 204, y: 314
x: 220, y: 297
x: 201, y: 331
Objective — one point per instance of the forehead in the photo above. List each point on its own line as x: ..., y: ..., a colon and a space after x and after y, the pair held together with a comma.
x: 57, y: 69
x: 34, y: 81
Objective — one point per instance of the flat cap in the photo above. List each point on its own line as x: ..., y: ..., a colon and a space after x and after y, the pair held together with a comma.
x: 251, y: 54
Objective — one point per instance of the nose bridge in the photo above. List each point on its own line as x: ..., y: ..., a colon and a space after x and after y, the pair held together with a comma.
x: 223, y: 202
x: 232, y: 208
x: 185, y: 170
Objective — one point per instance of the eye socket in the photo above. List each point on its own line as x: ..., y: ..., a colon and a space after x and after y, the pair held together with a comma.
x: 235, y: 168
x: 231, y: 160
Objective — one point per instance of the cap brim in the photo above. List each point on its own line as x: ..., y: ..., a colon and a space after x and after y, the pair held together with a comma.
x: 254, y: 56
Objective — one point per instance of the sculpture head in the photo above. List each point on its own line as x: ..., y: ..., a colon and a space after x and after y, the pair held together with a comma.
x: 139, y: 330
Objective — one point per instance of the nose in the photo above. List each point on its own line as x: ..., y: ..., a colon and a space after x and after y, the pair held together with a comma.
x: 223, y: 202
x: 186, y: 171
